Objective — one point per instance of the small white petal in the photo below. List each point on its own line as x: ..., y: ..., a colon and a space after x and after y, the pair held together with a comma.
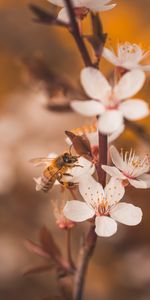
x: 113, y: 171
x: 38, y: 182
x: 110, y: 121
x: 63, y: 16
x: 127, y: 214
x: 113, y: 136
x: 57, y: 2
x: 144, y: 67
x: 88, y: 108
x: 134, y: 109
x: 110, y: 56
x: 78, y: 211
x: 68, y: 141
x: 129, y: 84
x: 114, y: 191
x: 91, y: 190
x: 85, y: 167
x: 105, y: 226
x: 139, y: 184
x: 95, y: 84
x: 146, y: 179
x: 104, y: 7
x: 95, y: 5
x: 116, y: 158
x: 93, y: 138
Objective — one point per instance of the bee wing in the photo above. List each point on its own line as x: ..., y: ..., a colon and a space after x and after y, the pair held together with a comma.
x: 41, y: 161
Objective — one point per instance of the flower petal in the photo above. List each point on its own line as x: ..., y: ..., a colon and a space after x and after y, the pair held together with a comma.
x: 93, y: 138
x: 116, y: 158
x: 63, y: 15
x: 134, y: 109
x: 110, y: 56
x: 113, y: 136
x: 85, y: 167
x: 95, y: 84
x: 57, y: 2
x: 144, y: 67
x: 139, y: 184
x: 103, y: 7
x: 113, y: 171
x: 78, y: 211
x: 91, y: 190
x: 94, y: 4
x: 88, y: 108
x: 129, y: 84
x: 105, y: 226
x: 110, y: 121
x: 114, y: 191
x: 146, y: 179
x: 38, y: 181
x: 127, y: 214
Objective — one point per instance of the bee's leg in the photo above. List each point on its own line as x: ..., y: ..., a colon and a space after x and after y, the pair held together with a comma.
x: 64, y: 184
x: 67, y: 174
x: 68, y: 185
x: 78, y: 166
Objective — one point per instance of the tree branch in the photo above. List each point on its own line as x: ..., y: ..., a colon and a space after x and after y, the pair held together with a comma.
x: 85, y: 254
x: 76, y: 34
x: 102, y: 159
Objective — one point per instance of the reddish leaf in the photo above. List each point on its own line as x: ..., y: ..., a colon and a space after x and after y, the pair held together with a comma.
x: 38, y: 269
x: 49, y: 244
x: 81, y: 144
x: 34, y: 248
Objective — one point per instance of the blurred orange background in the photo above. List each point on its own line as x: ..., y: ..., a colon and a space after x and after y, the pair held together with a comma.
x: 120, y: 268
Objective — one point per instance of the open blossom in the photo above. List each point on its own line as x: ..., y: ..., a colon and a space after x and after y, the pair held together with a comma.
x: 83, y: 167
x: 82, y: 7
x: 128, y: 56
x: 129, y: 168
x: 111, y: 104
x: 102, y: 205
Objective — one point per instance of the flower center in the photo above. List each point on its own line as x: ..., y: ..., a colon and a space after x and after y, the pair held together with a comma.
x: 103, y: 208
x: 130, y: 52
x: 112, y: 103
x: 133, y: 163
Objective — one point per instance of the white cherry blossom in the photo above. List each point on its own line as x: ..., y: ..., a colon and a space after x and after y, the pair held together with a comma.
x: 129, y: 168
x: 102, y: 205
x: 111, y: 104
x: 82, y: 7
x: 128, y: 56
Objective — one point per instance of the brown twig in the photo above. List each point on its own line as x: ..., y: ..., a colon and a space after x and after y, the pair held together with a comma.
x: 69, y: 254
x: 76, y: 34
x: 85, y: 254
x: 102, y: 159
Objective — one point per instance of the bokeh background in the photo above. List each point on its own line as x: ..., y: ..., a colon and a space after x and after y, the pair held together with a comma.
x: 120, y: 268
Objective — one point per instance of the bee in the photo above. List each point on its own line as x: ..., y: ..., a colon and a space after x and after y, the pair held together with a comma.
x: 55, y: 169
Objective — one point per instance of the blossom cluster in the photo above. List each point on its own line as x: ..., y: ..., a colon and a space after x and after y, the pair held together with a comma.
x: 111, y: 102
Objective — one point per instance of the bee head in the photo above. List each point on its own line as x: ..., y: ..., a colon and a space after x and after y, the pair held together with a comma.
x: 69, y: 159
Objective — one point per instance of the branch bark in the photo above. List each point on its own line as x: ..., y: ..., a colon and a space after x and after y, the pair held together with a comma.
x: 76, y: 34
x: 88, y: 247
